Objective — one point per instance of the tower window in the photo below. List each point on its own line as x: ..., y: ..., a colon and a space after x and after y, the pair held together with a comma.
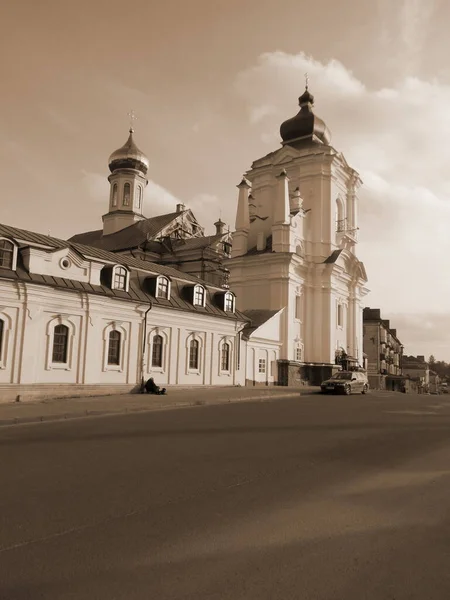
x: 225, y: 358
x: 114, y: 195
x: 126, y: 194
x: 162, y: 288
x: 120, y: 278
x: 114, y: 348
x: 194, y: 354
x: 6, y: 254
x: 157, y: 351
x: 60, y: 343
x: 139, y: 197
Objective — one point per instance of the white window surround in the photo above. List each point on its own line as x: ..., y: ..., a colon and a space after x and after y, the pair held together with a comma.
x: 4, y: 340
x: 15, y: 251
x: 113, y: 277
x: 340, y: 315
x: 229, y: 298
x: 199, y: 293
x: 199, y: 339
x: 159, y: 280
x: 114, y: 326
x: 165, y: 353
x: 298, y: 307
x: 50, y: 331
x: 226, y: 340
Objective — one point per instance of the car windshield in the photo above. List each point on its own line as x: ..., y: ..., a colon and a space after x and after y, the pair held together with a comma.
x: 343, y: 376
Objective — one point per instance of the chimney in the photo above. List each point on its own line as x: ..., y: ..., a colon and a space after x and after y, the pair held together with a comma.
x: 180, y: 207
x: 220, y: 226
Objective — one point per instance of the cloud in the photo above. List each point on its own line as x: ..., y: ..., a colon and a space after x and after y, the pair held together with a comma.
x: 96, y: 186
x: 396, y: 138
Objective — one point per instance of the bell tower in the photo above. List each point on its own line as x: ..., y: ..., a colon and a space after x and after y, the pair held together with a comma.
x: 128, y: 166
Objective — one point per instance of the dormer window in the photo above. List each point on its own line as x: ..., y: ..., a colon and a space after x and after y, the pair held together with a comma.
x: 199, y: 296
x: 228, y: 302
x: 163, y: 288
x: 120, y: 279
x: 8, y: 254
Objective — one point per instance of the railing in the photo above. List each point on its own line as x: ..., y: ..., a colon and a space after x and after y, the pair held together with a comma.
x: 342, y: 227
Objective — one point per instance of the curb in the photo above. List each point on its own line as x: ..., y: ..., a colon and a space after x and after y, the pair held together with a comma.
x: 97, y: 413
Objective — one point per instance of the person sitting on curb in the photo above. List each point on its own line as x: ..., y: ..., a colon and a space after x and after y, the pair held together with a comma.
x: 152, y: 388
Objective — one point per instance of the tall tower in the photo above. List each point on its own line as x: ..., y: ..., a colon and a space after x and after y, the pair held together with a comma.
x: 300, y: 234
x: 128, y: 166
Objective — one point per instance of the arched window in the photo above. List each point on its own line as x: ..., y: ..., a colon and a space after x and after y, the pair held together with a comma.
x: 341, y: 221
x: 162, y: 288
x: 157, y: 351
x: 114, y: 348
x: 120, y: 278
x: 126, y: 194
x: 199, y: 295
x: 138, y: 196
x: 114, y: 195
x: 2, y: 330
x: 228, y: 302
x: 60, y: 344
x: 6, y: 254
x: 225, y: 357
x: 194, y: 354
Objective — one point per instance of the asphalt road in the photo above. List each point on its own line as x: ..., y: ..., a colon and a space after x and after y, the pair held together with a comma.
x: 317, y: 498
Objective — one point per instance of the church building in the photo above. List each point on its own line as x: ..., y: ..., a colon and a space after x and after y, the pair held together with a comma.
x: 276, y: 302
x: 294, y: 248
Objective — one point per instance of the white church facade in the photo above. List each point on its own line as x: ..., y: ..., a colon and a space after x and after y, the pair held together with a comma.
x: 294, y: 248
x: 273, y: 303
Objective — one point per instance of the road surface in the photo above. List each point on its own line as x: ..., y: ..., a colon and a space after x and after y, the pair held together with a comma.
x: 316, y: 498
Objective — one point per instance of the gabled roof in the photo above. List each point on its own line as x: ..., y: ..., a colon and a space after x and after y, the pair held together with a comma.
x: 198, y: 242
x: 129, y: 237
x: 257, y: 318
x: 97, y: 254
x: 141, y: 270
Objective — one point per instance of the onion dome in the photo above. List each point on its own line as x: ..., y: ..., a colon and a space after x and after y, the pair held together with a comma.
x: 129, y: 157
x: 305, y: 125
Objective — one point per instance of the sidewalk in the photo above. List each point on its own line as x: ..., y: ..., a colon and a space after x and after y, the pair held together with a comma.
x: 72, y: 408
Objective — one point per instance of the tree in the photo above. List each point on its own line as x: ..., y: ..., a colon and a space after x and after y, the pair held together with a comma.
x: 431, y: 360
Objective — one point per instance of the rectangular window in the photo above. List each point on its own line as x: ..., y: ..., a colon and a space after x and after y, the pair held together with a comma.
x: 163, y: 288
x: 225, y: 363
x: 157, y: 349
x: 199, y: 296
x: 60, y: 342
x: 298, y: 354
x: 193, y: 354
x: 262, y: 365
x: 120, y: 278
x: 114, y: 348
x: 298, y: 307
x: 340, y: 315
x: 6, y: 254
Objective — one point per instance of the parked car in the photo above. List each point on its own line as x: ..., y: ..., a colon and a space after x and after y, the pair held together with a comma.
x: 346, y: 382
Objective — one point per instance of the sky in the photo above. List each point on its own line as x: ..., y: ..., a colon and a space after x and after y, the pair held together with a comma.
x: 210, y: 82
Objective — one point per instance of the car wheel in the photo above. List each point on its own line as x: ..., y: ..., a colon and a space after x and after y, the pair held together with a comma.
x: 365, y: 389
x: 347, y: 390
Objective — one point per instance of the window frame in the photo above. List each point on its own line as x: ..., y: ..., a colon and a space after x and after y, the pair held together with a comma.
x: 126, y: 201
x: 159, y: 280
x: 4, y: 339
x: 194, y: 344
x: 160, y: 364
x: 262, y: 362
x: 123, y: 352
x: 340, y: 315
x: 71, y: 341
x: 114, y: 195
x: 115, y: 344
x: 115, y: 275
x: 199, y: 288
x: 225, y: 352
x: 13, y: 251
x: 229, y: 297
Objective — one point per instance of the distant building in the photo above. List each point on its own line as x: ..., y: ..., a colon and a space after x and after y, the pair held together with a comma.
x: 417, y: 370
x: 383, y: 350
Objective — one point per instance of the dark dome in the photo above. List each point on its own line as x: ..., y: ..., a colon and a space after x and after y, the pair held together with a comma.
x: 129, y: 157
x: 305, y: 124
